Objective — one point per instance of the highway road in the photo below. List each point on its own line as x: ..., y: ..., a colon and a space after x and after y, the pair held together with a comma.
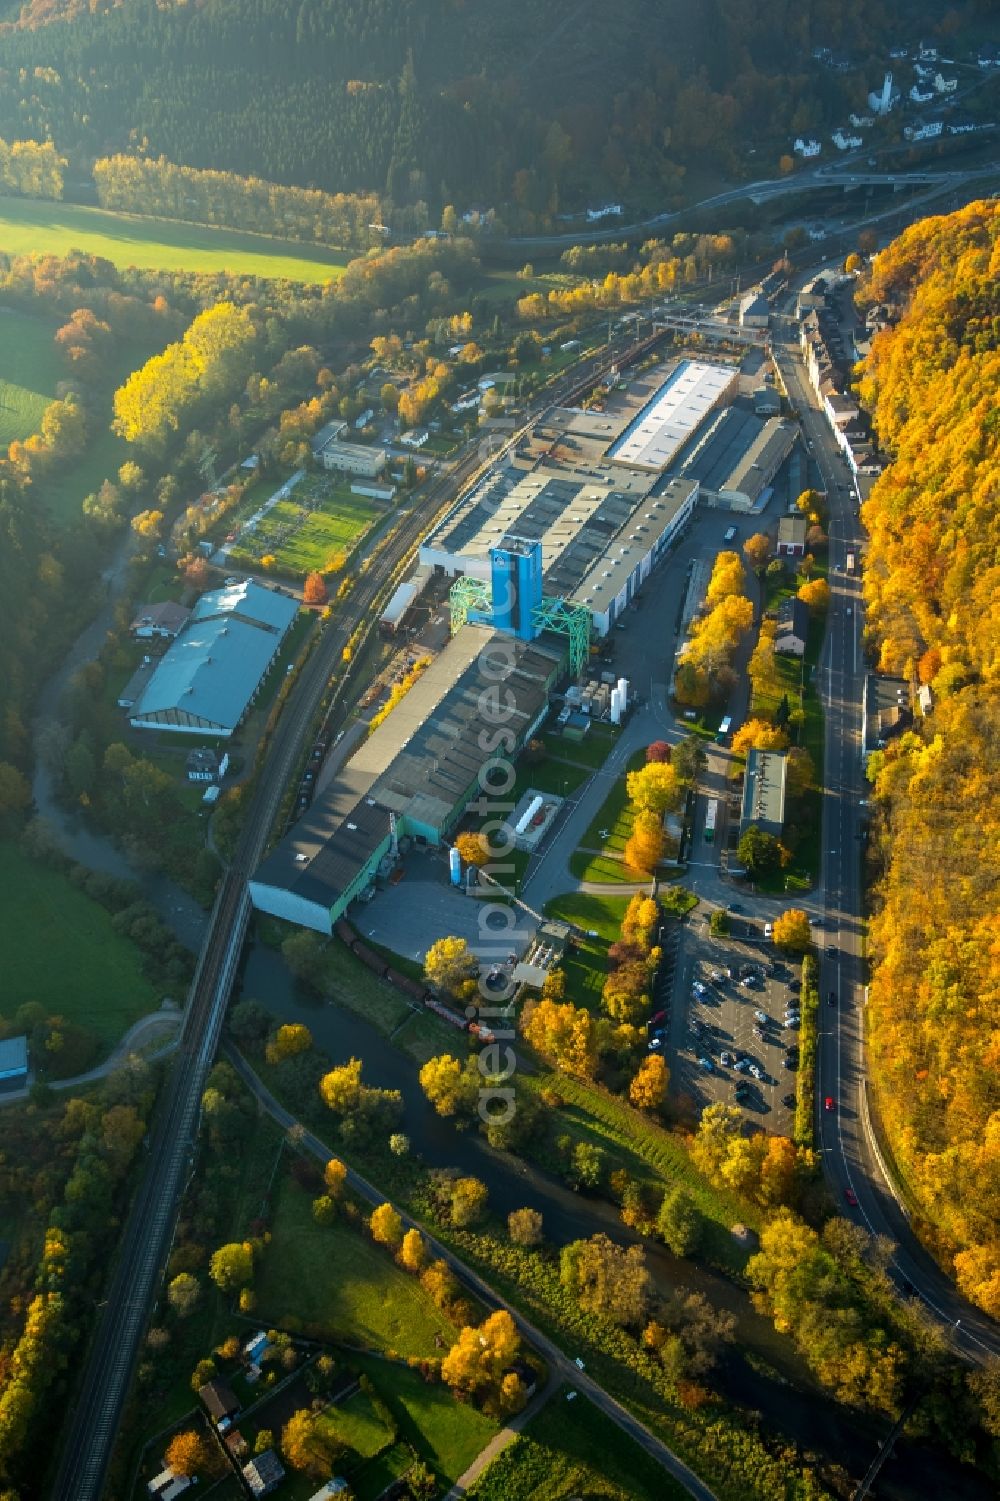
x: 148, y: 1230
x: 851, y: 1157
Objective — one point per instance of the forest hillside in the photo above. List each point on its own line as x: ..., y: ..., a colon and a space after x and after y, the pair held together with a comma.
x: 539, y: 104
x: 932, y: 582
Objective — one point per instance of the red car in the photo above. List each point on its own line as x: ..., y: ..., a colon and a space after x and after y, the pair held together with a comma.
x: 657, y: 1018
x: 851, y: 1196
x: 829, y: 1103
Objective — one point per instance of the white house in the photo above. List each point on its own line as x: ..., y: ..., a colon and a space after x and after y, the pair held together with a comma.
x: 944, y: 85
x: 923, y: 132
x: 920, y: 94
x: 806, y: 148
x: 860, y: 121
x: 843, y: 141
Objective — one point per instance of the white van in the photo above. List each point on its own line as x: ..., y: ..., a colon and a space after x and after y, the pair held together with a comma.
x: 730, y: 534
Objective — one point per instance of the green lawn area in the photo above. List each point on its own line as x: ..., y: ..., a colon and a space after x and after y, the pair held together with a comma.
x: 586, y: 966
x: 570, y: 1449
x: 650, y: 1154
x: 447, y: 1433
x: 29, y: 370
x: 302, y: 539
x: 357, y: 1424
x: 61, y: 950
x: 334, y: 1279
x: 30, y: 225
x: 614, y: 815
x: 591, y: 751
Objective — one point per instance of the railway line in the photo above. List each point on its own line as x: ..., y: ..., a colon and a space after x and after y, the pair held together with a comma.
x: 149, y: 1227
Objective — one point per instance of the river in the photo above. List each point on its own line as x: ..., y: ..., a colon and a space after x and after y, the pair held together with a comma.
x: 182, y: 914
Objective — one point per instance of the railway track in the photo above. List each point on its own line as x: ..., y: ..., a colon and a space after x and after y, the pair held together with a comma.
x: 148, y: 1230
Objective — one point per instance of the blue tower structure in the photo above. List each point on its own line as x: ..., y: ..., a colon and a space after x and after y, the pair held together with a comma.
x: 516, y: 586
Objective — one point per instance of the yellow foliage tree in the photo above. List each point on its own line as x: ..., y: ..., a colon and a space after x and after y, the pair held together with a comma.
x: 290, y: 1039
x: 449, y: 965
x: 655, y: 787
x: 757, y: 734
x: 792, y: 931
x: 386, y: 1226
x: 816, y: 594
x: 648, y: 1089
x: 565, y: 1034
x: 644, y: 846
x: 412, y: 1252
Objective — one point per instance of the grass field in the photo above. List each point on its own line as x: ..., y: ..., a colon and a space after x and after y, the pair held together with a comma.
x: 302, y: 539
x: 357, y: 1424
x: 447, y: 1433
x: 333, y: 1277
x: 74, y: 964
x: 29, y: 370
x: 30, y: 225
x: 571, y: 1449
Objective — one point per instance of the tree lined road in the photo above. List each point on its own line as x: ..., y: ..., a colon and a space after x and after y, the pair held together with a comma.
x: 851, y: 1157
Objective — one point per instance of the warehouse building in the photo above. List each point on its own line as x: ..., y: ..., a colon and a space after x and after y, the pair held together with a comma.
x: 738, y: 457
x: 681, y: 404
x: 412, y: 778
x: 210, y: 675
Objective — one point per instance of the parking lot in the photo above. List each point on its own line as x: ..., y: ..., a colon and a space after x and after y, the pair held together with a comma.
x: 726, y: 1029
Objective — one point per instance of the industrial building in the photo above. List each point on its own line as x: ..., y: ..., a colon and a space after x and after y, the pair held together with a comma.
x: 413, y: 777
x: 738, y: 457
x: 600, y: 532
x: 764, y: 792
x: 210, y: 675
x: 683, y: 401
x: 353, y: 458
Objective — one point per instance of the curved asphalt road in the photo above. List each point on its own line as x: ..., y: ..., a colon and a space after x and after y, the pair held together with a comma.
x: 851, y: 1157
x: 558, y: 1362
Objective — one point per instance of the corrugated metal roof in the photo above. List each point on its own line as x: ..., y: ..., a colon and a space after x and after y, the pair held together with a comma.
x: 215, y: 665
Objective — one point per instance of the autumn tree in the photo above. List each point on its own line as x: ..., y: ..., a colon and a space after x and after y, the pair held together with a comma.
x: 310, y: 1445
x: 334, y: 1177
x: 148, y: 524
x: 469, y: 1198
x: 472, y: 848
x: 757, y: 549
x: 314, y: 590
x: 645, y: 845
x: 452, y: 1087
x: 288, y: 1041
x: 792, y: 931
x: 183, y: 1293
x: 655, y: 787
x: 757, y: 734
x: 412, y: 1252
x: 476, y: 1362
x: 815, y: 594
x: 563, y: 1033
x: 658, y: 750
x: 188, y: 1453
x: 608, y: 1280
x: 648, y: 1089
x: 231, y: 1266
x: 450, y: 966
x: 386, y: 1226
x: 525, y: 1227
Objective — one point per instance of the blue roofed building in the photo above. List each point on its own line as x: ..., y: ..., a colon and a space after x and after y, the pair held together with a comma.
x: 211, y: 673
x: 13, y: 1064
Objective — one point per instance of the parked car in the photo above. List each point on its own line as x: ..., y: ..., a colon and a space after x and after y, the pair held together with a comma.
x: 727, y: 1059
x: 755, y: 1071
x: 707, y: 1065
x: 743, y: 1090
x: 657, y: 1042
x: 762, y: 1017
x: 769, y: 930
x: 659, y: 1017
x: 788, y: 1100
x: 699, y: 989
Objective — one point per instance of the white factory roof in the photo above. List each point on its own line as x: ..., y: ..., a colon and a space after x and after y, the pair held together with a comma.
x: 653, y: 437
